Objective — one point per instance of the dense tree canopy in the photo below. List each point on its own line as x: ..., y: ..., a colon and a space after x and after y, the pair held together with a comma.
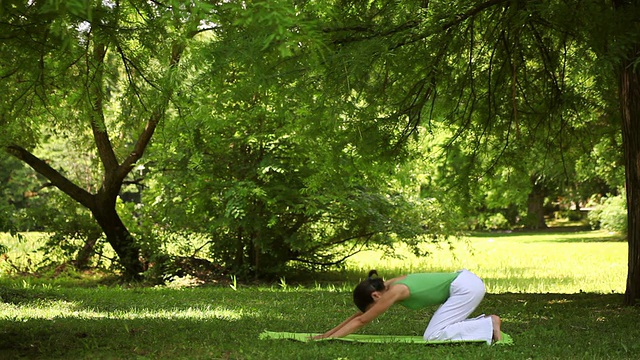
x: 100, y: 73
x: 283, y: 126
x: 548, y: 76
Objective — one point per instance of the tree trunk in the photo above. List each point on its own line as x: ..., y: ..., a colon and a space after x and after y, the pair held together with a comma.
x: 86, y: 252
x: 535, y: 206
x: 630, y: 109
x: 119, y: 237
x: 101, y: 205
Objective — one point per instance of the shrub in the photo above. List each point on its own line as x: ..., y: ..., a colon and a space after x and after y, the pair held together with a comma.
x: 496, y: 222
x: 610, y: 214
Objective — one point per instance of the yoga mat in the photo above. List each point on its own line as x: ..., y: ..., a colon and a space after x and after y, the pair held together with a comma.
x: 305, y: 337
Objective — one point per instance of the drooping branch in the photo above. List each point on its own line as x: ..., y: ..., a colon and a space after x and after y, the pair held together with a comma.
x: 451, y: 24
x: 369, y: 33
x: 328, y: 263
x: 355, y: 249
x: 471, y: 13
x: 367, y: 236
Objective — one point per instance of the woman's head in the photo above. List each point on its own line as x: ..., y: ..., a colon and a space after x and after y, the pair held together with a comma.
x: 363, y: 293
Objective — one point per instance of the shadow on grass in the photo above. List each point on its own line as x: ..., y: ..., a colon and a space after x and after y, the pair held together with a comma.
x: 76, y: 338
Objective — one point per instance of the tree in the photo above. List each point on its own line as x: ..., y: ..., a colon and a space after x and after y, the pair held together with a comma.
x: 15, y: 187
x: 629, y: 86
x: 278, y: 169
x: 501, y: 72
x: 102, y: 74
x: 127, y: 56
x: 497, y: 72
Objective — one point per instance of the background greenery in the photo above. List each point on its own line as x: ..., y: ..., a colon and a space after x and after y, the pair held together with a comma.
x: 293, y: 134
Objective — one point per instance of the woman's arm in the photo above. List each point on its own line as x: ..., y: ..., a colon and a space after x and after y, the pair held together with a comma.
x: 359, y: 320
x: 332, y: 331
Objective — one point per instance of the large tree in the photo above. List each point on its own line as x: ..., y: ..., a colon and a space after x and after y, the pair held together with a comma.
x: 625, y: 15
x: 285, y: 163
x: 105, y: 74
x: 495, y: 71
x: 102, y: 74
x: 502, y: 72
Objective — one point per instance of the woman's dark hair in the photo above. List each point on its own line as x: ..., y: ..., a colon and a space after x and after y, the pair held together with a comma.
x: 362, y: 293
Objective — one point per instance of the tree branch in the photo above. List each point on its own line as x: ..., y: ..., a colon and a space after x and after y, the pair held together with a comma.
x: 58, y: 180
x: 471, y: 13
x: 145, y: 137
x: 98, y: 126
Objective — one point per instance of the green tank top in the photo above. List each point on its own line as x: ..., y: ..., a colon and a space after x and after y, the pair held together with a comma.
x: 427, y: 289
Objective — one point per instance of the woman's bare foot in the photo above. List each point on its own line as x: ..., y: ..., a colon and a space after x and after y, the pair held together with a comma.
x: 497, y: 335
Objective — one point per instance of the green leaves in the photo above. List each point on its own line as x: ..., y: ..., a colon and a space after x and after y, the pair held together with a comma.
x: 285, y: 129
x: 82, y: 9
x: 240, y: 197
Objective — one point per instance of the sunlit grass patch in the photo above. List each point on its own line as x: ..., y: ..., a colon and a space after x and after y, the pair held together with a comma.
x: 23, y: 251
x: 536, y: 263
x: 51, y: 310
x: 561, y: 262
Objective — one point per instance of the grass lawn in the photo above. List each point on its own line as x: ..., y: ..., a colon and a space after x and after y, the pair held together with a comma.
x: 534, y: 283
x: 559, y: 262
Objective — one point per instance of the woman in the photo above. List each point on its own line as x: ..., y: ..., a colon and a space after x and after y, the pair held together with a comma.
x: 458, y: 295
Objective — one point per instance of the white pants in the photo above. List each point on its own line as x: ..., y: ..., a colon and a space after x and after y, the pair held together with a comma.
x: 450, y: 321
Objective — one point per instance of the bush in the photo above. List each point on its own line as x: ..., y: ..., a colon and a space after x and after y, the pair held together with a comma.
x: 496, y: 222
x: 610, y: 214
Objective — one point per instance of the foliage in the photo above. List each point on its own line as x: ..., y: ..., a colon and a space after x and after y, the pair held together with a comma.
x: 126, y: 57
x: 601, y: 171
x: 285, y: 128
x: 495, y: 222
x: 610, y: 213
x: 18, y: 189
x: 264, y: 200
x: 501, y: 144
x: 284, y: 163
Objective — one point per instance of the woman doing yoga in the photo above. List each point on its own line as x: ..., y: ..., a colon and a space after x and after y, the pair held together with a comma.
x: 458, y: 294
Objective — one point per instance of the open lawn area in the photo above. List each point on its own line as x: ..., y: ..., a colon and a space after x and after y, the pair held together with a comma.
x: 559, y: 295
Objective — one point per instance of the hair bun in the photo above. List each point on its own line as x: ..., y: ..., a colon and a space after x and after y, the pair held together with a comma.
x: 371, y: 273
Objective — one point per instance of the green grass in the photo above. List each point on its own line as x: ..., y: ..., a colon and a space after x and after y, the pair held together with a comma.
x: 534, y: 282
x: 24, y: 252
x: 557, y: 262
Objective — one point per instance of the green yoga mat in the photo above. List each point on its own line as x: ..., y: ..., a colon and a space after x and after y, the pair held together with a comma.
x: 305, y: 337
